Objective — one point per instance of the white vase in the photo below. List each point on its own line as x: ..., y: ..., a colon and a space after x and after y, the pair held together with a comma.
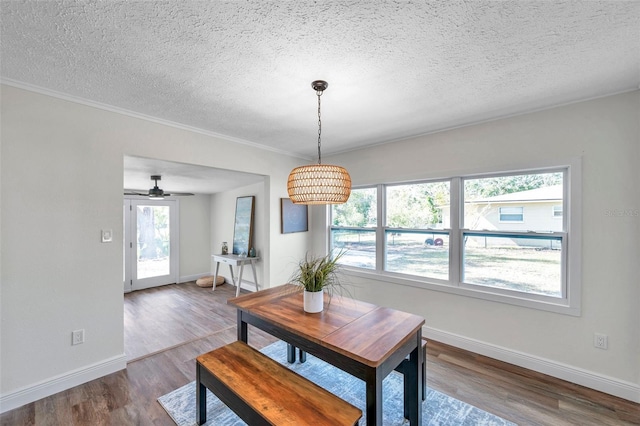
x: 313, y: 301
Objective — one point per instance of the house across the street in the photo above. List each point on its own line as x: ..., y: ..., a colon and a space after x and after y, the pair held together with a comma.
x: 536, y: 210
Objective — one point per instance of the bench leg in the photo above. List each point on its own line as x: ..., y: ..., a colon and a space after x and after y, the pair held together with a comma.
x: 402, y: 369
x: 201, y: 400
x: 303, y: 355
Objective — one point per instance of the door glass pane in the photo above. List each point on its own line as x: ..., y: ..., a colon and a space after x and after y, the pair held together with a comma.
x: 153, y: 241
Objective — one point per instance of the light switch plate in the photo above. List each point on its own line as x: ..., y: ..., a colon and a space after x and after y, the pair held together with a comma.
x: 107, y: 235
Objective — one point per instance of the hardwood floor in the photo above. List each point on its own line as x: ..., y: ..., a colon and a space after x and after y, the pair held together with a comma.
x: 167, y: 327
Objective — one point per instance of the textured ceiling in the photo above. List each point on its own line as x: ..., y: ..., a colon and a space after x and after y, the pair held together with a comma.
x: 395, y: 68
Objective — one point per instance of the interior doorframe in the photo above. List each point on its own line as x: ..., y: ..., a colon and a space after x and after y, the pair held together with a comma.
x: 129, y: 240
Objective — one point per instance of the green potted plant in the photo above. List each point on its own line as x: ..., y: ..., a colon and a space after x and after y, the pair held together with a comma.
x: 315, y: 275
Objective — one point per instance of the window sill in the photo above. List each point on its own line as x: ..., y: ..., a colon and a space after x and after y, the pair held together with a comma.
x: 562, y: 306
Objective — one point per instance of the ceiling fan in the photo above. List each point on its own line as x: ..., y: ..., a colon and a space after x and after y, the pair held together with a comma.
x: 157, y: 193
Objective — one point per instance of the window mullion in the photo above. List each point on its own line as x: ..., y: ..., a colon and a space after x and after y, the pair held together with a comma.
x: 455, y: 238
x: 380, y: 225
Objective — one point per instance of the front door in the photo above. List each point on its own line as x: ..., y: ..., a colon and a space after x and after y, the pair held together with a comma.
x: 150, y: 243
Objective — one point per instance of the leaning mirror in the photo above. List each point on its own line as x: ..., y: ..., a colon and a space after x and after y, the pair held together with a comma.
x: 243, y: 227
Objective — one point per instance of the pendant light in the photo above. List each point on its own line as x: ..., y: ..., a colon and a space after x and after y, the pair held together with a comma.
x: 319, y: 183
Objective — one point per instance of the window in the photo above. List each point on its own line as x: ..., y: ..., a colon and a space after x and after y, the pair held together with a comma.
x: 511, y: 214
x: 353, y: 228
x: 557, y: 211
x: 512, y: 254
x: 415, y: 242
x: 469, y: 235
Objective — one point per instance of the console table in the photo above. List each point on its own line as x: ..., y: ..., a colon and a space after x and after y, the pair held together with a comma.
x: 235, y: 260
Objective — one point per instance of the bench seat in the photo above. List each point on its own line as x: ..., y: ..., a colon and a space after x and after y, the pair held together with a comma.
x: 261, y: 391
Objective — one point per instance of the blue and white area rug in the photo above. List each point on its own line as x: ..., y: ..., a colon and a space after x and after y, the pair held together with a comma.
x: 437, y: 410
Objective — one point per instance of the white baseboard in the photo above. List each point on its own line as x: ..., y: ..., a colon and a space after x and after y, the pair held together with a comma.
x: 62, y: 382
x: 194, y: 277
x: 248, y: 285
x: 620, y: 388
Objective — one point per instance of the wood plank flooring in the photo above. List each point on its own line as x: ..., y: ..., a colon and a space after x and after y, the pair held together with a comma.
x: 167, y: 327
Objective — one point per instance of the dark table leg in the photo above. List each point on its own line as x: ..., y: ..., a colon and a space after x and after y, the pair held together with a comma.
x: 413, y: 385
x: 291, y: 353
x: 201, y: 399
x: 374, y: 400
x: 407, y: 385
x: 243, y: 332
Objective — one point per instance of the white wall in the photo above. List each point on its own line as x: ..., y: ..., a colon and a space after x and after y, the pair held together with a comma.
x: 605, y: 133
x: 195, y: 236
x: 61, y: 182
x: 281, y: 260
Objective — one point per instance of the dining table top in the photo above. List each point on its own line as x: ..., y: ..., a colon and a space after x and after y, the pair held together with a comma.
x: 364, y: 332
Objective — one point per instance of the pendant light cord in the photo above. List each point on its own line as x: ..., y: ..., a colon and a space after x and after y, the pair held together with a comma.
x: 319, y: 184
x: 319, y: 93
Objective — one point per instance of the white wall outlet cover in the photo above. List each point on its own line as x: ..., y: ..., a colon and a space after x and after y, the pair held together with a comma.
x: 77, y: 337
x: 107, y: 235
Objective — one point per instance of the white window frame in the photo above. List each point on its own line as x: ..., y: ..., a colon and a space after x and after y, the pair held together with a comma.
x: 569, y: 303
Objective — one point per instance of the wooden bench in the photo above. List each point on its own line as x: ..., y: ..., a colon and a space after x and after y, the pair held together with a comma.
x: 261, y: 391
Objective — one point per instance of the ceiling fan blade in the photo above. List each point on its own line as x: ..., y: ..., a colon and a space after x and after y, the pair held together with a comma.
x: 178, y: 194
x: 135, y: 193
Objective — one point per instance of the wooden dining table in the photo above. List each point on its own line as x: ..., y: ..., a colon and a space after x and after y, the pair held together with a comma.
x: 362, y: 339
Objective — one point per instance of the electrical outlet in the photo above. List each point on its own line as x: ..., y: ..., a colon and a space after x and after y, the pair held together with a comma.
x: 600, y: 341
x: 77, y: 337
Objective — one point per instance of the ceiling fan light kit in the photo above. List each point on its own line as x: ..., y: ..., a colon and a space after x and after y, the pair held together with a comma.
x: 319, y: 183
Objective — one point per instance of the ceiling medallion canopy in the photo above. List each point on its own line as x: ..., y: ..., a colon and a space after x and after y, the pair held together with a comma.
x: 319, y: 183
